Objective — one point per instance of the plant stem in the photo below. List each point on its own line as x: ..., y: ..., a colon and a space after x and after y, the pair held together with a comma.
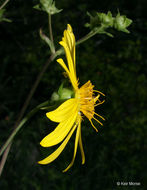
x: 89, y: 35
x: 5, y: 2
x: 4, y: 158
x: 25, y: 105
x: 51, y: 33
x: 22, y: 122
x: 7, y: 146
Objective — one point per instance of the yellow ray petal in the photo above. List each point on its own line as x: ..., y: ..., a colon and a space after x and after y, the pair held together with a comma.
x: 61, y: 62
x: 71, y: 66
x: 69, y: 61
x: 64, y: 111
x: 69, y: 36
x: 71, y: 41
x: 68, y: 56
x: 57, y: 152
x: 68, y: 42
x: 60, y: 132
x: 69, y: 27
x: 72, y: 37
x: 67, y: 39
x: 76, y: 145
x: 81, y: 148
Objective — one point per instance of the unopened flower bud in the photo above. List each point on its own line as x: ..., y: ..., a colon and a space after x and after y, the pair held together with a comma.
x: 121, y: 23
x: 106, y: 19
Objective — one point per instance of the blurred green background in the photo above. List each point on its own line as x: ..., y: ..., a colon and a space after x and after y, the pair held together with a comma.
x: 116, y: 66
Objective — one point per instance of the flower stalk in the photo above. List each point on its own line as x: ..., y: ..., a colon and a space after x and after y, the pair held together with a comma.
x: 86, y: 37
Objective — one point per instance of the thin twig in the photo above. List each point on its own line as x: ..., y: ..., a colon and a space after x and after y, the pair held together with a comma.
x: 4, y: 158
x: 5, y: 2
x: 21, y: 123
x: 50, y: 31
x: 24, y: 107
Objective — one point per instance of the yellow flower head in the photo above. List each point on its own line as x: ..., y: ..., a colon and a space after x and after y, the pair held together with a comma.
x: 69, y: 114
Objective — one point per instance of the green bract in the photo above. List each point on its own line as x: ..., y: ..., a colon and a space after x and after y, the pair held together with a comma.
x: 47, y: 6
x: 66, y: 93
x: 106, y: 19
x: 62, y: 94
x: 121, y: 23
x: 101, y: 22
x: 47, y: 40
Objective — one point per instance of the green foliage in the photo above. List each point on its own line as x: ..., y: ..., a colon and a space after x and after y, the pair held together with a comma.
x: 2, y: 18
x: 121, y: 23
x: 47, y: 6
x: 47, y: 41
x: 62, y: 94
x: 101, y: 22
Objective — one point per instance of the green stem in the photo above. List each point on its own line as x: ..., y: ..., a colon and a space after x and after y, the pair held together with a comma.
x: 89, y: 35
x: 6, y: 147
x: 51, y: 33
x: 22, y: 122
x: 26, y: 103
x: 4, y: 158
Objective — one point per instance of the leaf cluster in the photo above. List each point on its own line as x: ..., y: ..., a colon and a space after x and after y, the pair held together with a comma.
x: 100, y: 22
x: 2, y: 17
x: 48, y: 6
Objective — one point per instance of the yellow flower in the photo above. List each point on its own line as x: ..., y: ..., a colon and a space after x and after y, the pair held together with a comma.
x: 69, y: 115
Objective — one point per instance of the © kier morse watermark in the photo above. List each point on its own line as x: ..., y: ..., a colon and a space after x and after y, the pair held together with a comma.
x: 129, y: 183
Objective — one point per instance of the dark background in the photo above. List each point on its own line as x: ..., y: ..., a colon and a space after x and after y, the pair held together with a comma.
x: 116, y: 66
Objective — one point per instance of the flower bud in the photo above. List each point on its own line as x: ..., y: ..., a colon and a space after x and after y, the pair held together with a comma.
x: 121, y: 23
x: 106, y: 19
x: 48, y: 6
x: 55, y: 96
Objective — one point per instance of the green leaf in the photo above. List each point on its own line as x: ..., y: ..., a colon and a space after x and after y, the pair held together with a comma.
x: 101, y: 22
x: 94, y: 21
x: 106, y: 19
x: 47, y: 40
x: 2, y: 18
x: 37, y: 7
x: 121, y: 23
x: 48, y: 6
x: 2, y: 12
